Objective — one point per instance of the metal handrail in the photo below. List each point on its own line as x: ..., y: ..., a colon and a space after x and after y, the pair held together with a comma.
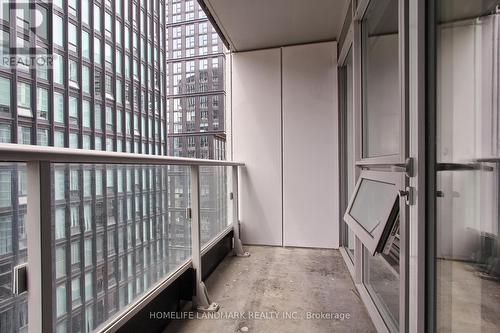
x: 24, y: 153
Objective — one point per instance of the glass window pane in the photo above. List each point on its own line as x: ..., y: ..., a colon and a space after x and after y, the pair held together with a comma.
x: 23, y: 95
x: 374, y: 208
x: 73, y: 73
x: 85, y: 12
x: 5, y: 188
x: 72, y: 37
x: 97, y: 18
x: 60, y: 261
x: 373, y: 203
x: 85, y: 45
x: 42, y: 103
x: 73, y: 110
x: 58, y: 68
x: 467, y: 255
x: 97, y: 50
x: 5, y: 96
x: 380, y: 72
x: 86, y: 114
x: 43, y: 137
x: 61, y: 300
x: 59, y: 139
x: 382, y: 281
x: 58, y: 30
x: 58, y: 107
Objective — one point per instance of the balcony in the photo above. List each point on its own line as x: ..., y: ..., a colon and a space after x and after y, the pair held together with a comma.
x: 133, y: 245
x: 360, y: 192
x: 281, y: 290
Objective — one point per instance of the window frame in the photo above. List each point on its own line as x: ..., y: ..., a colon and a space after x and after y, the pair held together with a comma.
x: 376, y: 241
x: 346, y: 53
x: 359, y: 19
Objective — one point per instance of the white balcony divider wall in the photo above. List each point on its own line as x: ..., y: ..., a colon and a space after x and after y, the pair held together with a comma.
x: 310, y: 164
x: 290, y: 183
x: 256, y: 136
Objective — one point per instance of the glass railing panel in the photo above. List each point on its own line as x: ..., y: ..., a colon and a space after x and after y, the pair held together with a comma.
x: 117, y: 230
x: 13, y: 242
x: 179, y: 196
x: 213, y: 202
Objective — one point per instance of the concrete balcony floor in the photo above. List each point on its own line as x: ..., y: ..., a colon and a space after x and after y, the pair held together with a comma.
x: 275, y: 282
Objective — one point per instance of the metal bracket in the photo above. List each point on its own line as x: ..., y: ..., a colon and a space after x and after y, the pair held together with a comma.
x: 238, y: 249
x: 189, y: 213
x: 409, y: 194
x: 238, y: 246
x: 203, y: 303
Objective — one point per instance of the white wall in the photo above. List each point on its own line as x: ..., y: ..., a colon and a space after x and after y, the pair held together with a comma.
x: 310, y: 146
x: 256, y: 109
x: 300, y: 192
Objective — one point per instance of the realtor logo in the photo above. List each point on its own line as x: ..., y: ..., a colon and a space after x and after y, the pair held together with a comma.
x: 30, y: 22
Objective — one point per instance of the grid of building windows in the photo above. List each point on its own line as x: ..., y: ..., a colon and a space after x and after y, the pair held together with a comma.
x: 13, y: 242
x: 124, y: 73
x: 195, y: 111
x: 111, y: 239
x: 106, y: 90
x: 195, y: 81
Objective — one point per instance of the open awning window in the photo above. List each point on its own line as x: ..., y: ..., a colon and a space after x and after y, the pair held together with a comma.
x: 374, y: 208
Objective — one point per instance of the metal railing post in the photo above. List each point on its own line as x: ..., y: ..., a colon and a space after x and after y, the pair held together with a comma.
x: 33, y: 247
x: 38, y: 231
x: 201, y: 301
x: 237, y: 246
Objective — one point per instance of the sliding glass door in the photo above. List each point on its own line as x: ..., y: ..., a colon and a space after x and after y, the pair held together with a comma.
x: 466, y: 110
x: 377, y: 210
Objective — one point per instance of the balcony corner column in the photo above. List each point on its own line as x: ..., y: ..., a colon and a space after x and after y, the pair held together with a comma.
x: 237, y: 246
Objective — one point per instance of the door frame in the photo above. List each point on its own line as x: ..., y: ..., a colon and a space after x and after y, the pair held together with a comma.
x: 387, y: 163
x: 345, y: 49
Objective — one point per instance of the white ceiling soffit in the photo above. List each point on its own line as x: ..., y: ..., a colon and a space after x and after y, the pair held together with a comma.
x: 259, y: 24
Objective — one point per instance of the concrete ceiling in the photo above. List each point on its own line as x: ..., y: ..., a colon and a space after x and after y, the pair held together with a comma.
x: 258, y: 24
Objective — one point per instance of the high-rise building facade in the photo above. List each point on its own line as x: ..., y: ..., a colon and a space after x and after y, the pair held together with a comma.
x: 195, y: 110
x: 123, y: 75
x: 195, y: 82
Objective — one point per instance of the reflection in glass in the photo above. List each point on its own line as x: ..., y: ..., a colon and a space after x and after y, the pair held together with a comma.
x: 380, y: 71
x: 467, y: 128
x: 373, y: 204
x: 382, y: 282
x: 110, y: 246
